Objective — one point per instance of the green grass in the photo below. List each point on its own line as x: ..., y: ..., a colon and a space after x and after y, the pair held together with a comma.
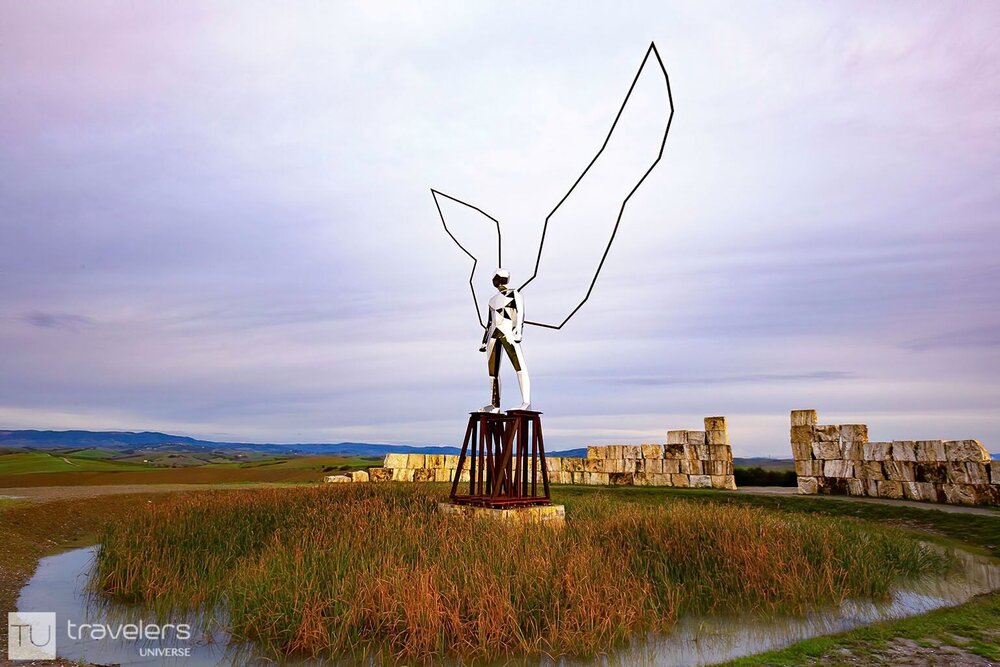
x: 21, y: 463
x: 329, y: 571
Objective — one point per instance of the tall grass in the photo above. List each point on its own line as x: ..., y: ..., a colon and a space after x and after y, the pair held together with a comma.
x: 374, y: 569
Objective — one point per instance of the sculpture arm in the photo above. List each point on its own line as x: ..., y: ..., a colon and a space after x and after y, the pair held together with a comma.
x: 519, y: 319
x: 489, y: 330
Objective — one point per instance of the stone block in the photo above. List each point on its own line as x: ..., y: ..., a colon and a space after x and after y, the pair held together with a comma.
x: 464, y: 476
x: 829, y: 433
x: 704, y: 452
x: 677, y: 437
x: 730, y: 483
x: 869, y: 470
x: 689, y: 467
x: 434, y: 461
x: 802, y: 451
x: 553, y: 463
x: 635, y: 465
x: 715, y: 424
x: 719, y: 468
x: 853, y: 451
x: 680, y: 480
x: 402, y: 474
x: 959, y: 494
x: 450, y: 461
x: 966, y: 450
x: 930, y: 450
x: 640, y: 479
x: 597, y: 452
x: 653, y: 465
x: 995, y: 472
x: 652, y: 451
x: 803, y: 417
x: 443, y: 474
x: 696, y: 438
x: 803, y: 435
x: 808, y: 486
x: 826, y: 451
x: 934, y: 473
x: 415, y: 460
x: 721, y: 452
x: 978, y: 473
x: 673, y: 451
x: 670, y: 466
x: 854, y: 433
x: 596, y: 465
x: 631, y: 452
x: 904, y: 450
x: 871, y: 488
x: 717, y: 437
x: 379, y: 474
x: 359, y: 476
x: 423, y: 475
x: 395, y: 461
x: 572, y: 464
x: 720, y: 481
x: 621, y: 479
x: 919, y: 491
x: 890, y: 489
x: 701, y: 481
x: 337, y: 479
x: 598, y: 478
x: 901, y: 471
x: 838, y: 468
x: 877, y: 451
x: 856, y: 487
x: 658, y: 479
x: 957, y: 472
x: 809, y: 468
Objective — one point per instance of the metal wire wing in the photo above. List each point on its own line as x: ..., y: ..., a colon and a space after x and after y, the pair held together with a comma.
x: 475, y: 262
x: 651, y: 55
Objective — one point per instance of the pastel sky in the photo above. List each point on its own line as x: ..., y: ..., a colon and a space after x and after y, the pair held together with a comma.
x: 215, y: 218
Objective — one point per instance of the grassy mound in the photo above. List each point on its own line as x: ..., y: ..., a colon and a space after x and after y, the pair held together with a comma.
x: 375, y: 569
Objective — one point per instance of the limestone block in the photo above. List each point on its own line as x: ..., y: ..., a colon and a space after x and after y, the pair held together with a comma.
x: 337, y: 479
x: 434, y: 461
x: 717, y: 437
x: 572, y: 464
x: 464, y: 476
x: 838, y: 468
x: 670, y: 466
x: 680, y: 480
x: 450, y: 461
x: 807, y: 469
x: 696, y: 438
x: 872, y: 470
x: 808, y: 486
x: 721, y: 481
x: 901, y: 471
x: 596, y: 464
x: 652, y: 451
x: 935, y: 473
x: 689, y: 467
x: 640, y: 479
x: 715, y: 424
x: 826, y: 451
x: 597, y: 452
x: 830, y: 433
x: 930, y: 450
x: 394, y: 461
x: 803, y: 434
x: 802, y: 451
x: 978, y: 473
x: 402, y: 474
x: 655, y: 465
x: 701, y: 481
x: 730, y: 483
x: 553, y: 463
x: 598, y: 478
x: 415, y: 460
x: 721, y: 453
x: 720, y: 468
x: 959, y: 494
x: 621, y: 479
x: 853, y: 451
x: 359, y: 476
x: 871, y: 488
x: 423, y: 475
x: 803, y: 417
x: 957, y: 473
x: 856, y: 487
x: 677, y: 437
x: 995, y: 472
x: 854, y: 433
x: 904, y: 450
x: 631, y: 452
x: 658, y: 479
x: 966, y: 450
x: 691, y: 453
x: 890, y: 489
x: 443, y: 474
x: 579, y: 477
x: 877, y: 451
x: 673, y: 451
x: 919, y: 491
x: 379, y: 474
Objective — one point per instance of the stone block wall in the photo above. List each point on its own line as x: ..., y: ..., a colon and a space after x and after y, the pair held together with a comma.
x: 696, y: 459
x: 839, y: 459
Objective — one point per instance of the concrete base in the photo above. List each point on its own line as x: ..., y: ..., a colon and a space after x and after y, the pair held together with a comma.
x: 554, y: 515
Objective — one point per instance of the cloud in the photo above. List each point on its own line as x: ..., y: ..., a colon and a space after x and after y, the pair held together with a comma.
x: 56, y: 320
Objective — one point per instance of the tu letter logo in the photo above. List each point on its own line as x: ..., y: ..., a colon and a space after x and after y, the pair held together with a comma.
x: 31, y: 635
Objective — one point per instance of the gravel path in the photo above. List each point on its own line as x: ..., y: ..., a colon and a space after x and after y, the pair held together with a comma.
x: 941, y: 507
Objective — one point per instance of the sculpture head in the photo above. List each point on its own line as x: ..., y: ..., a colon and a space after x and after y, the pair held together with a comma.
x: 500, y: 279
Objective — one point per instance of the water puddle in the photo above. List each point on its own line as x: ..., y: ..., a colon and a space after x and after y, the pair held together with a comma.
x: 59, y: 586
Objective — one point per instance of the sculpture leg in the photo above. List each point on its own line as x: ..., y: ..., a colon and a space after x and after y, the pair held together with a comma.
x: 523, y: 381
x: 493, y: 366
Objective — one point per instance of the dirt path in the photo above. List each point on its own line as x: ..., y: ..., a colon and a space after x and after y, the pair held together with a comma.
x: 941, y: 507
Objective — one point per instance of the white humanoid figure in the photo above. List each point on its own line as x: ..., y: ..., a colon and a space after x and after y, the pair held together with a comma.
x: 504, y: 335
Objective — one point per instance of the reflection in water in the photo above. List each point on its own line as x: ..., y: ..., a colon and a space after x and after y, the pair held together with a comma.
x: 59, y: 585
